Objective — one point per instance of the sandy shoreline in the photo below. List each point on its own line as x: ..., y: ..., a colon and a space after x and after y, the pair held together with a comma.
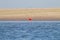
x: 36, y: 14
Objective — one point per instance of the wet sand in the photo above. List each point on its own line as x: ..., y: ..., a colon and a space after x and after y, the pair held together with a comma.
x: 37, y: 14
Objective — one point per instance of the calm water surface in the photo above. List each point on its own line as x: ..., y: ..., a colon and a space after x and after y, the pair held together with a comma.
x: 25, y: 30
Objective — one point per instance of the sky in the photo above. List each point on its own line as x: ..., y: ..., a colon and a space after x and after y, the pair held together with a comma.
x: 29, y: 3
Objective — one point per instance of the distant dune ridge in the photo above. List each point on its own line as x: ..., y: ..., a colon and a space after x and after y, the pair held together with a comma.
x: 37, y: 14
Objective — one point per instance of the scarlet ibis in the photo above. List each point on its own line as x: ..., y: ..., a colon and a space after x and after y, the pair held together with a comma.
x: 30, y: 19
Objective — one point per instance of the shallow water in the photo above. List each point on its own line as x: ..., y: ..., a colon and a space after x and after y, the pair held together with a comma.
x: 25, y: 30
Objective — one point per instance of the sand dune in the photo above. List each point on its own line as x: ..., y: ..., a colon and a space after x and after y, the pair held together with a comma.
x: 35, y: 14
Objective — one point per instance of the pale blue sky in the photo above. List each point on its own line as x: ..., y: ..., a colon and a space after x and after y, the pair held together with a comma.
x: 29, y: 3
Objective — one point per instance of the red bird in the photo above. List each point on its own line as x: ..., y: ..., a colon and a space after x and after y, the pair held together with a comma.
x: 29, y: 19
